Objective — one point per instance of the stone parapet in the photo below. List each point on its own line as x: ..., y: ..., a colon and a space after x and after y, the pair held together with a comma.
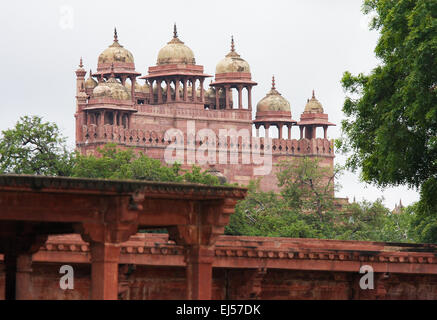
x: 147, y: 138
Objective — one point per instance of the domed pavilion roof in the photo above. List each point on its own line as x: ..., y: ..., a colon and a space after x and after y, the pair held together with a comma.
x: 175, y: 52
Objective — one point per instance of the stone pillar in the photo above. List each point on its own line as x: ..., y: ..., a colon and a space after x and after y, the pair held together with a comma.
x: 104, y: 270
x: 227, y: 96
x: 280, y: 128
x: 114, y: 118
x: 202, y: 91
x: 301, y: 131
x: 199, y: 272
x: 151, y: 95
x: 289, y: 131
x: 267, y: 127
x: 23, y: 285
x: 132, y: 89
x: 102, y: 118
x: 185, y: 90
x: 325, y: 132
x: 193, y: 87
x: 123, y: 80
x: 158, y: 83
x: 177, y: 86
x: 257, y: 131
x: 249, y: 97
x: 240, y: 97
x: 217, y: 98
x: 167, y: 82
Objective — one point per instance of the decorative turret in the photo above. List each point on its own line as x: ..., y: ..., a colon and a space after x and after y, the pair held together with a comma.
x: 175, y: 52
x: 80, y: 77
x: 274, y: 110
x: 175, y: 67
x: 116, y: 55
x: 233, y: 72
x: 313, y: 117
x: 90, y: 83
x: 117, y: 60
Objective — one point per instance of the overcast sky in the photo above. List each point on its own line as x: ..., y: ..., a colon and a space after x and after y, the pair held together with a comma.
x: 306, y: 44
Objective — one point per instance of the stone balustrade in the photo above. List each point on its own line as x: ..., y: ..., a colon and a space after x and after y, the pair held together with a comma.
x: 148, y: 138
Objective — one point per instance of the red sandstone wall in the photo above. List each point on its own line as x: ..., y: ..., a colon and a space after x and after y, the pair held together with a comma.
x: 149, y: 283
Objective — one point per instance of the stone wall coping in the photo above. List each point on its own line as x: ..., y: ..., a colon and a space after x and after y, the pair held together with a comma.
x: 85, y: 185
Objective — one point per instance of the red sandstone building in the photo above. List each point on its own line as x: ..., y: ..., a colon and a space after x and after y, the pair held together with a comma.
x: 91, y: 225
x: 113, y: 106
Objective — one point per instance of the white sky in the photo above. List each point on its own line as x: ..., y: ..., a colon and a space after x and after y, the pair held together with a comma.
x: 305, y: 44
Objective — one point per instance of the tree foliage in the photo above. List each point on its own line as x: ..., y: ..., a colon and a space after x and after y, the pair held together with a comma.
x: 305, y: 207
x: 34, y: 147
x: 391, y: 125
x: 37, y: 147
x: 113, y: 162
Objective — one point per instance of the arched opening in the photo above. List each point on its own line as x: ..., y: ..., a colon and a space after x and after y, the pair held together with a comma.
x: 262, y: 131
x: 234, y: 98
x: 244, y: 98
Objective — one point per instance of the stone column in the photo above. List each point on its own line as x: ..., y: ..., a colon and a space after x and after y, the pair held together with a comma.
x: 217, y: 98
x: 249, y: 97
x: 185, y: 90
x: 177, y: 86
x: 257, y: 131
x: 151, y: 95
x: 158, y: 83
x: 193, y: 87
x: 199, y: 272
x: 132, y: 89
x: 280, y: 128
x: 202, y: 91
x: 104, y: 270
x: 168, y: 91
x: 267, y: 134
x: 102, y: 118
x: 325, y: 132
x: 240, y: 97
x: 114, y: 118
x: 23, y: 285
x: 301, y: 131
x: 289, y: 131
x: 227, y: 96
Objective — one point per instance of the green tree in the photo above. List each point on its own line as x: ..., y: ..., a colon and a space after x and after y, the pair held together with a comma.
x: 304, y: 208
x: 373, y: 221
x: 391, y: 124
x: 113, y: 162
x: 35, y: 147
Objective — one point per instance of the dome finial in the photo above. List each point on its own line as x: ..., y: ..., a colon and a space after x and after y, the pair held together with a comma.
x: 232, y: 44
x: 273, y: 83
x: 314, y: 96
x: 175, y: 31
x: 115, y: 35
x: 80, y: 63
